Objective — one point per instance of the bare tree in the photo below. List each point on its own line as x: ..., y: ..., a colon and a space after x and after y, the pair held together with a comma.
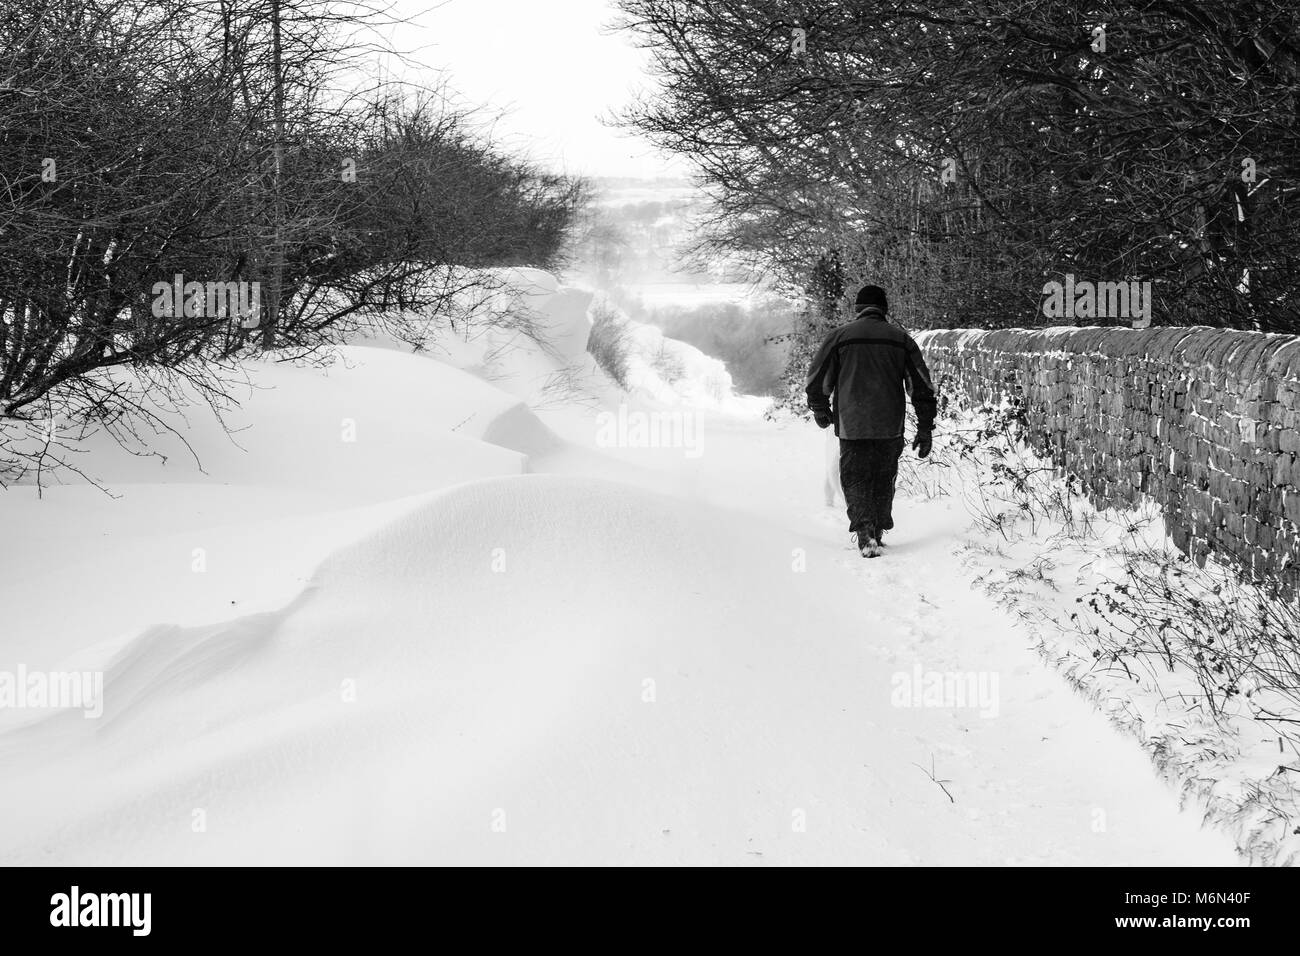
x: 965, y: 153
x: 152, y: 152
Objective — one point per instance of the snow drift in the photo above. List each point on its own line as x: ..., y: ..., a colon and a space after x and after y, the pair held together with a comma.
x: 404, y: 621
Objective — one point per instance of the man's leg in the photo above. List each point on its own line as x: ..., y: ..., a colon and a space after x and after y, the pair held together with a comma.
x: 886, y: 474
x: 855, y: 479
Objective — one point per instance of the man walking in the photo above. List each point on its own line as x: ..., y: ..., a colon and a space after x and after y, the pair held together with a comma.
x: 864, y: 368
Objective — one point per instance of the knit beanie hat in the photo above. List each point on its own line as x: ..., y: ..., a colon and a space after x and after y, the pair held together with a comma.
x: 871, y: 295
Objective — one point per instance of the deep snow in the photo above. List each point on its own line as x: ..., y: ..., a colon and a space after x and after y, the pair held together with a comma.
x: 468, y: 634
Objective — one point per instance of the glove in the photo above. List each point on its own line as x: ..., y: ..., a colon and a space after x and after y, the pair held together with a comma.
x: 921, y: 444
x: 822, y: 417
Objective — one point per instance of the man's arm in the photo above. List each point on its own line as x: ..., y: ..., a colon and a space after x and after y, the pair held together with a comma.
x: 821, y: 373
x: 924, y: 399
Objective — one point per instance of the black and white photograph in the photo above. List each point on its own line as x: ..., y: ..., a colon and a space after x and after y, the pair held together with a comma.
x: 651, y: 433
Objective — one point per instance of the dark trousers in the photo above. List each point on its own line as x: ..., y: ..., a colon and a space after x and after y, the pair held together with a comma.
x: 868, y: 467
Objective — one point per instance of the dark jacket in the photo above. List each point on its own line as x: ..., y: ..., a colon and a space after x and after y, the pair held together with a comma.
x: 865, y: 366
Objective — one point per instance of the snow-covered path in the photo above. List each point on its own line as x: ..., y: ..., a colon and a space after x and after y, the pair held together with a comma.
x: 1040, y: 778
x: 661, y: 659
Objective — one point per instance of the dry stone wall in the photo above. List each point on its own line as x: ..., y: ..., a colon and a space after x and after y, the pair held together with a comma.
x: 1204, y: 421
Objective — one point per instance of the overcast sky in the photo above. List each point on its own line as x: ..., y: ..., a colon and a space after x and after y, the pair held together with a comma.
x: 554, y: 67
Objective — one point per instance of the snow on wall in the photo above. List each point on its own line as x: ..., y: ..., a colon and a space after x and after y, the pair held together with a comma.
x: 1204, y: 421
